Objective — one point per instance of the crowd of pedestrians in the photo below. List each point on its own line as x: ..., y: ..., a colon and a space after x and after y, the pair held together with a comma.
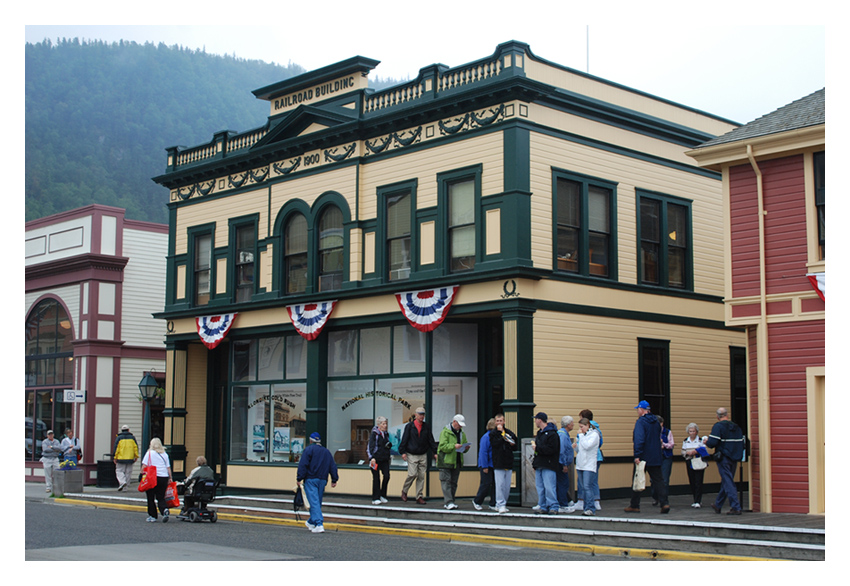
x: 555, y: 452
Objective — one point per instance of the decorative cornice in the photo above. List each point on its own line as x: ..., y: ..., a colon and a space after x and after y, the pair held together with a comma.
x: 74, y: 269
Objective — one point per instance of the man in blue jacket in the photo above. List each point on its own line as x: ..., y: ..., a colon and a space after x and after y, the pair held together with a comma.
x: 315, y: 465
x: 647, y: 448
x: 727, y: 439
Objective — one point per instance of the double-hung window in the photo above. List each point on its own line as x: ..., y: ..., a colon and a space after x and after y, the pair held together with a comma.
x: 331, y: 247
x: 820, y: 202
x: 664, y: 225
x: 202, y: 267
x: 584, y: 217
x: 398, y: 234
x: 461, y: 228
x: 245, y: 236
x: 295, y: 241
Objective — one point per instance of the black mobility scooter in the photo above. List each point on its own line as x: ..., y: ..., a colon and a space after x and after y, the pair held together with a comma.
x: 197, y: 495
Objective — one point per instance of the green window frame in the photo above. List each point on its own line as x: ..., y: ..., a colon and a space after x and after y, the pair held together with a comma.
x: 331, y: 247
x: 201, y: 275
x: 295, y: 254
x: 460, y: 197
x: 398, y: 206
x: 243, y: 236
x: 665, y: 241
x: 584, y: 219
x: 654, y: 375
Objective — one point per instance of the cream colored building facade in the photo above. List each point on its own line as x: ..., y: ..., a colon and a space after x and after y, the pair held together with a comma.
x: 583, y: 249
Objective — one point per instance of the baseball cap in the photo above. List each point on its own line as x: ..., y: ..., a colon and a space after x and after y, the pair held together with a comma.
x: 459, y: 418
x: 542, y: 416
x: 125, y: 428
x: 49, y: 431
x: 315, y: 437
x: 420, y: 409
x: 643, y: 405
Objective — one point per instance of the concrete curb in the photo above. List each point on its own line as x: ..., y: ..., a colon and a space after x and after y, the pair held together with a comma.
x: 625, y: 553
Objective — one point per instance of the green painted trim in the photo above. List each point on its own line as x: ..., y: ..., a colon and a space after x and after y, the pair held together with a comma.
x: 664, y: 346
x: 380, y: 226
x: 663, y: 261
x: 585, y: 182
x: 233, y: 224
x: 444, y: 180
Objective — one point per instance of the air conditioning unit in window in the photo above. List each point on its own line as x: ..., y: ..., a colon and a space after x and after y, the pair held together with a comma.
x: 245, y: 257
x: 400, y: 274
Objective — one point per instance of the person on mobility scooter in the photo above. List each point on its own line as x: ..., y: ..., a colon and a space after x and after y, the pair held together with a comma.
x: 199, y: 490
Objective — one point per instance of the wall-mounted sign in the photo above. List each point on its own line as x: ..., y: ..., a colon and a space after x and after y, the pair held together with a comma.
x: 75, y: 396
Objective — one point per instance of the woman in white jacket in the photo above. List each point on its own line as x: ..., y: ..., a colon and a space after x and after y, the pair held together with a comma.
x: 587, y: 444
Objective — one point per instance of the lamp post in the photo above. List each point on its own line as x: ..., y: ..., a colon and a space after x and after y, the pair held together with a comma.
x: 147, y: 389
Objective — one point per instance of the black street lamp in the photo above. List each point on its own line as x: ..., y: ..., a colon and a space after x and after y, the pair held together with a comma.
x: 147, y: 389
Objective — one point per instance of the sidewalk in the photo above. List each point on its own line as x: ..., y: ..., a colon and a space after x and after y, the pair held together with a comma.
x: 680, y: 509
x: 684, y: 533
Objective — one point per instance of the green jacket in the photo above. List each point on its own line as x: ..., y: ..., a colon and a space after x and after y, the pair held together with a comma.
x: 447, y: 456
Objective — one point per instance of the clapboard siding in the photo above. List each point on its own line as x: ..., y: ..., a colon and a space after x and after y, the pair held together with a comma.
x: 793, y: 347
x: 424, y: 166
x: 629, y: 174
x: 130, y: 407
x: 144, y: 288
x: 591, y: 362
x: 218, y: 211
x: 785, y: 226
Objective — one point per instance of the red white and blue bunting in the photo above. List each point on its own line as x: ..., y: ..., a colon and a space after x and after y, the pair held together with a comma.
x: 818, y: 281
x: 425, y: 310
x: 213, y: 328
x: 310, y: 318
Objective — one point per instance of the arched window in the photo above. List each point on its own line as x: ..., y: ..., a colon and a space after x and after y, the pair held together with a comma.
x: 49, y: 370
x: 295, y: 254
x: 331, y: 240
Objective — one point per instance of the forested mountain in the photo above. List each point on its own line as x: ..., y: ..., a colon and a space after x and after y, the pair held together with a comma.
x: 99, y: 117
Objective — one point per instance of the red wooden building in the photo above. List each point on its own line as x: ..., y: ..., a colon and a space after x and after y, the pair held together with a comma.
x: 774, y: 205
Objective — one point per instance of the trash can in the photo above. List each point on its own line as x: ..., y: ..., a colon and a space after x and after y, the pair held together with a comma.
x: 106, y: 473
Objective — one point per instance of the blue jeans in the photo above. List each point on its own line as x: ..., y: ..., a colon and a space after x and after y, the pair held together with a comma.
x: 314, y: 490
x: 726, y: 468
x: 547, y: 491
x: 589, y: 482
x: 562, y: 482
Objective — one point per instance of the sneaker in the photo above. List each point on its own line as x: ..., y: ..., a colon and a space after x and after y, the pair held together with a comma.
x: 376, y: 502
x: 535, y: 508
x: 451, y: 506
x: 151, y: 520
x: 588, y: 513
x: 697, y: 505
x: 570, y: 509
x: 309, y: 525
x: 579, y: 504
x: 476, y: 505
x: 553, y: 511
x: 122, y: 487
x: 318, y: 529
x: 492, y: 508
x: 383, y: 500
x: 597, y: 505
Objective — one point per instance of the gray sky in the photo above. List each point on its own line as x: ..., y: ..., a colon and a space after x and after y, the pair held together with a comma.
x: 737, y: 72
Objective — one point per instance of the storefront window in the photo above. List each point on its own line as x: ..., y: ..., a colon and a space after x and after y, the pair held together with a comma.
x: 354, y: 402
x: 49, y: 366
x: 268, y: 420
